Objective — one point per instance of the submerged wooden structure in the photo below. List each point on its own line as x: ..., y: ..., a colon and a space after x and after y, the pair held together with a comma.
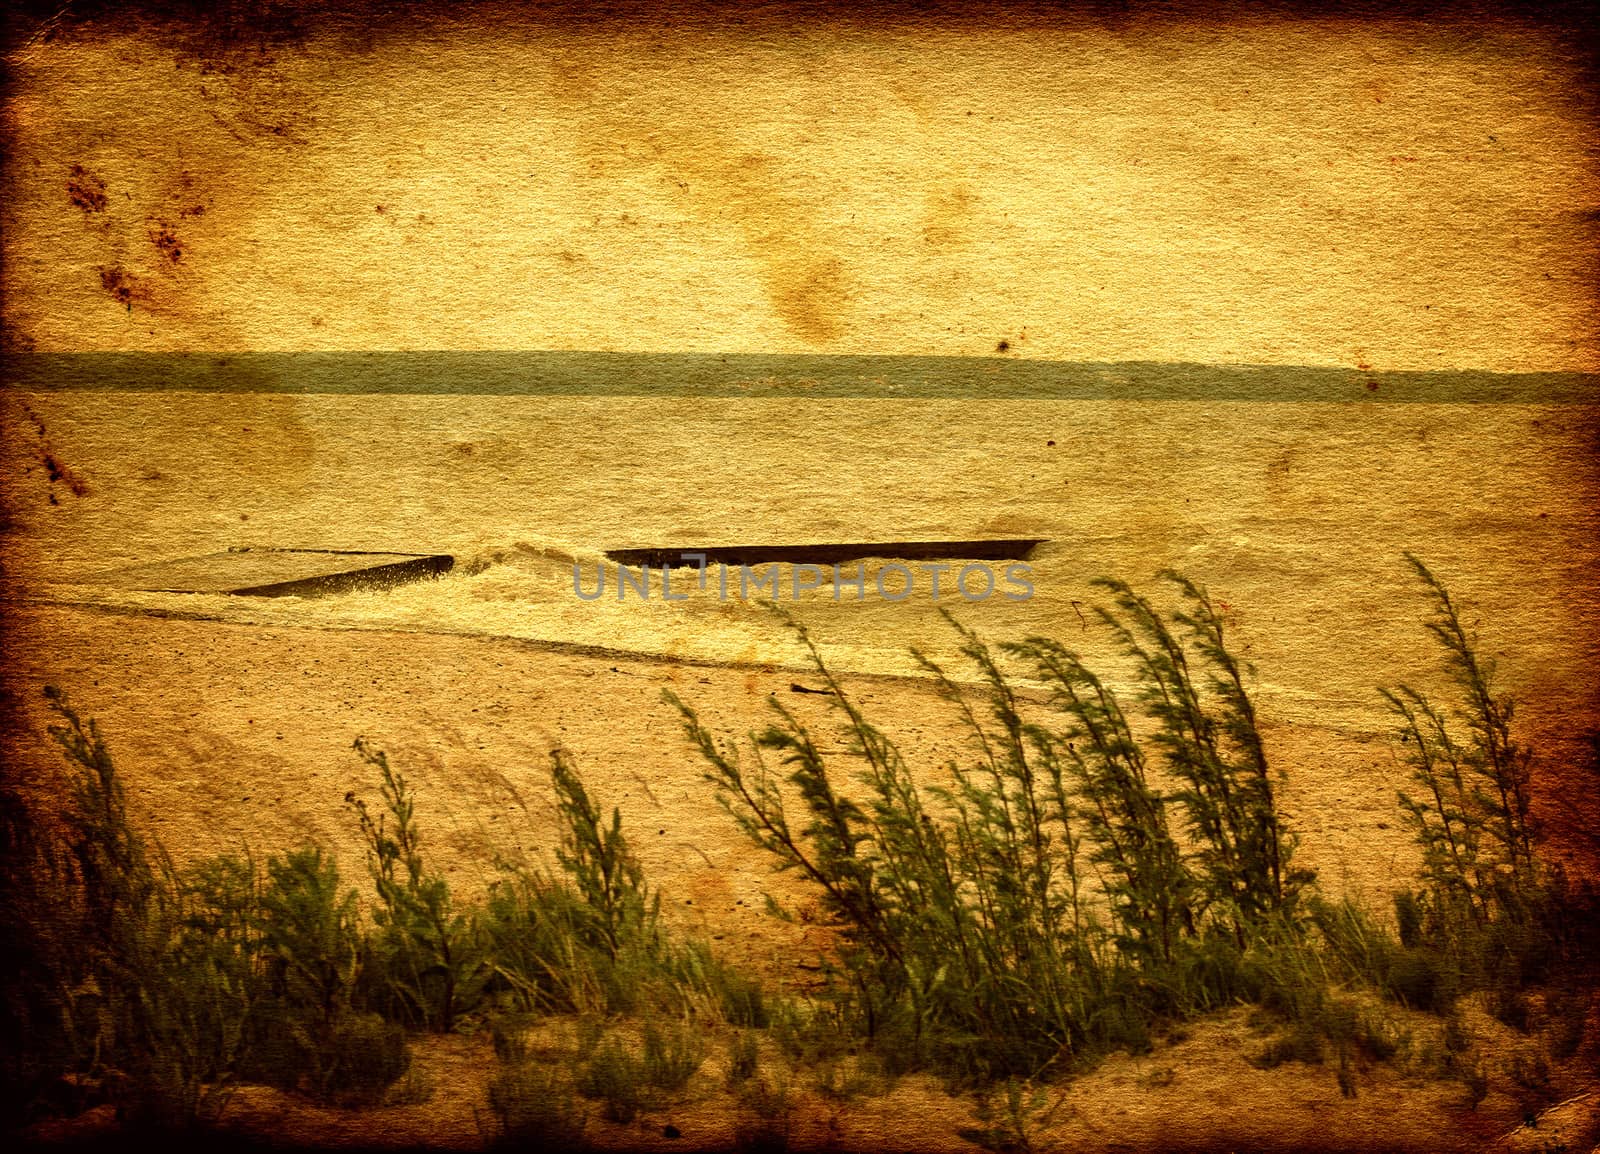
x: 828, y: 553
x: 270, y: 572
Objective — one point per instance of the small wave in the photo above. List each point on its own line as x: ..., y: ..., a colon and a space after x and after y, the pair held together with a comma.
x: 477, y: 557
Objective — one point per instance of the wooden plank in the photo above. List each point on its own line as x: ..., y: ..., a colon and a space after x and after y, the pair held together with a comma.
x: 253, y: 572
x: 830, y: 553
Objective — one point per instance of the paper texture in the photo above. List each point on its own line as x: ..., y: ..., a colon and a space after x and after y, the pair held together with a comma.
x: 1267, y: 299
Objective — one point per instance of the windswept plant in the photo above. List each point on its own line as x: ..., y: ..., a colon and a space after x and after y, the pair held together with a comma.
x: 1039, y: 908
x: 163, y: 988
x: 1188, y: 913
x: 311, y: 1031
x: 312, y: 943
x: 587, y: 937
x: 1193, y: 688
x: 1017, y: 864
x: 1473, y: 812
x: 833, y: 847
x: 1098, y: 861
x: 1489, y: 913
x: 567, y: 941
x: 599, y: 861
x: 430, y: 960
x: 152, y: 1007
x: 159, y: 990
x: 1100, y: 775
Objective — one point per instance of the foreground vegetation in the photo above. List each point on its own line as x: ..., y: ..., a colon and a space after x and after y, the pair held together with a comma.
x: 1101, y: 869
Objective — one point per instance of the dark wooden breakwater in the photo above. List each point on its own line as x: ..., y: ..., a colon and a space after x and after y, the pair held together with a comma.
x: 828, y: 553
x: 265, y: 572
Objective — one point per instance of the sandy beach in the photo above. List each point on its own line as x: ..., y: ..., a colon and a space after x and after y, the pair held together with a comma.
x: 235, y: 736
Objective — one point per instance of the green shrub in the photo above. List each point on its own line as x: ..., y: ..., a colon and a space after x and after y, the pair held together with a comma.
x: 1417, y: 979
x: 744, y: 1059
x: 536, y: 1108
x: 672, y: 1054
x: 1470, y: 811
x: 588, y: 939
x: 426, y: 962
x: 626, y: 1082
x: 1042, y: 908
x: 1193, y: 688
x: 602, y: 866
x: 616, y: 1078
x: 309, y: 1034
x: 1357, y: 947
x: 158, y: 991
x: 309, y: 933
x: 537, y: 951
x: 141, y: 999
x: 1088, y: 872
x: 367, y: 1054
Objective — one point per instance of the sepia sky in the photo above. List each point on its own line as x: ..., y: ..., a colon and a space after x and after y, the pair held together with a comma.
x: 1279, y: 191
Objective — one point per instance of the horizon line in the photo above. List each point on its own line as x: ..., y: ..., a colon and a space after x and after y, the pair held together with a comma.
x: 554, y: 373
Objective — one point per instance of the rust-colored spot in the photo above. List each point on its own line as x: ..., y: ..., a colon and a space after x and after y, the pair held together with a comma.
x: 807, y: 295
x: 1372, y: 386
x: 39, y: 425
x: 86, y: 190
x: 166, y: 240
x: 122, y: 287
x: 59, y: 472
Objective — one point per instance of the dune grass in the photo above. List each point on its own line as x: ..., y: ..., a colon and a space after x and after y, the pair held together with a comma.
x: 1036, y: 908
x: 1096, y: 869
x: 1112, y: 863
